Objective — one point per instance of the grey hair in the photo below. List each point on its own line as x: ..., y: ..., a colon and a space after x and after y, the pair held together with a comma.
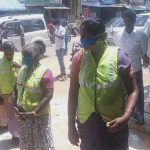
x: 32, y: 48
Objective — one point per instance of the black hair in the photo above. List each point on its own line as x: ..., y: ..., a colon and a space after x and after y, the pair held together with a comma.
x: 51, y: 21
x: 8, y: 46
x: 93, y: 27
x: 32, y: 48
x: 131, y: 14
x: 57, y: 22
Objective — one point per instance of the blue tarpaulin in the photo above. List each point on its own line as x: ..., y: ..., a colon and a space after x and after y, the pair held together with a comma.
x: 11, y: 5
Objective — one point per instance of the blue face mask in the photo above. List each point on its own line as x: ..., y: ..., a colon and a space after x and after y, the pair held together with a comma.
x: 28, y: 61
x: 87, y: 42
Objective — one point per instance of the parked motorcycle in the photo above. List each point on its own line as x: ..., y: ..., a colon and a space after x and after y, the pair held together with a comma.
x: 72, y: 29
x: 68, y: 37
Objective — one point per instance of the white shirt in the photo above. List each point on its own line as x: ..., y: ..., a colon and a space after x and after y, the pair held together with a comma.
x: 135, y: 45
x: 147, y: 32
x: 60, y: 43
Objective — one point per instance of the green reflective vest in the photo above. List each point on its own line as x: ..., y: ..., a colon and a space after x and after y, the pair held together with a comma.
x: 8, y: 74
x: 29, y: 89
x: 101, y: 87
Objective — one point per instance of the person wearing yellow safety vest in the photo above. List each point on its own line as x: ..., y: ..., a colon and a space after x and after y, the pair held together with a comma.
x: 99, y: 75
x: 10, y: 63
x: 35, y: 90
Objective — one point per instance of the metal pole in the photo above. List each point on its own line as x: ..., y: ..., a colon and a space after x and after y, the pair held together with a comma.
x: 80, y: 6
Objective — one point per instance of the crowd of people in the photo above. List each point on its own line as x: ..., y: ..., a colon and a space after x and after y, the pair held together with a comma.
x: 106, y: 88
x: 26, y: 88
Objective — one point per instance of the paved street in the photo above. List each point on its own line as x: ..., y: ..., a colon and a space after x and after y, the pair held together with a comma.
x: 137, y: 140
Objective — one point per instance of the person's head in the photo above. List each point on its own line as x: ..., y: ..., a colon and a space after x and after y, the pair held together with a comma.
x: 57, y: 23
x: 91, y: 31
x: 31, y: 55
x: 64, y: 23
x: 50, y: 21
x: 8, y: 48
x: 129, y: 18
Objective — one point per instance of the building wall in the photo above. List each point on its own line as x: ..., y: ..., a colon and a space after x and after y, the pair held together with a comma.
x: 75, y: 6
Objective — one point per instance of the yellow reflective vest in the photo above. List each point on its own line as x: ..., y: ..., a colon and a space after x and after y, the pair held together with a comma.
x: 8, y: 74
x: 101, y: 87
x: 29, y: 89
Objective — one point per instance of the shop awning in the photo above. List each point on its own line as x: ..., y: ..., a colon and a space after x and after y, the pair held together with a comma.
x: 11, y: 5
x: 37, y: 2
x: 98, y: 4
x: 62, y: 8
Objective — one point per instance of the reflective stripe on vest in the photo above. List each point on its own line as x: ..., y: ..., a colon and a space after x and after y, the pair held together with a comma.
x: 97, y: 86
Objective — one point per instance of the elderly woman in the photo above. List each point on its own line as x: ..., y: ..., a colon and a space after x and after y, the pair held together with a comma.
x: 35, y: 90
x: 96, y: 94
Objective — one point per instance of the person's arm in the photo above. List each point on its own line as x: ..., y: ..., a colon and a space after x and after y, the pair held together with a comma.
x: 144, y: 46
x: 14, y: 104
x: 16, y: 65
x: 61, y: 37
x: 73, y: 101
x: 22, y: 35
x: 132, y: 91
x: 62, y: 34
x: 128, y: 78
x: 14, y: 100
x: 72, y: 108
x: 47, y: 90
x: 46, y: 99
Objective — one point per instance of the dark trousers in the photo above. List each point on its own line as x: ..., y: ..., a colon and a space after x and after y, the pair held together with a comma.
x: 139, y: 111
x: 60, y: 56
x: 95, y: 135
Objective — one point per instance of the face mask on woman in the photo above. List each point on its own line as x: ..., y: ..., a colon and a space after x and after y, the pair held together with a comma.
x: 87, y: 42
x: 90, y: 41
x: 28, y: 61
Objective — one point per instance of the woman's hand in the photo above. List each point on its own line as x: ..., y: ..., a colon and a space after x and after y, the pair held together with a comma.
x: 73, y: 135
x: 19, y: 114
x: 145, y: 61
x: 116, y: 124
x: 15, y: 65
x: 16, y: 110
x: 27, y: 115
x: 24, y: 115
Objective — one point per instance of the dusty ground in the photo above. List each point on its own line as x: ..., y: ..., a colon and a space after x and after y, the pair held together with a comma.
x: 138, y: 141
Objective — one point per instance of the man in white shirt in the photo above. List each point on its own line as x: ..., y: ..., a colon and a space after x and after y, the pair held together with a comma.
x: 60, y: 48
x: 134, y: 43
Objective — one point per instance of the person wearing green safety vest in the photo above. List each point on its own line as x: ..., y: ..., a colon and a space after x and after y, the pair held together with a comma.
x: 34, y: 91
x: 98, y: 108
x: 10, y: 63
